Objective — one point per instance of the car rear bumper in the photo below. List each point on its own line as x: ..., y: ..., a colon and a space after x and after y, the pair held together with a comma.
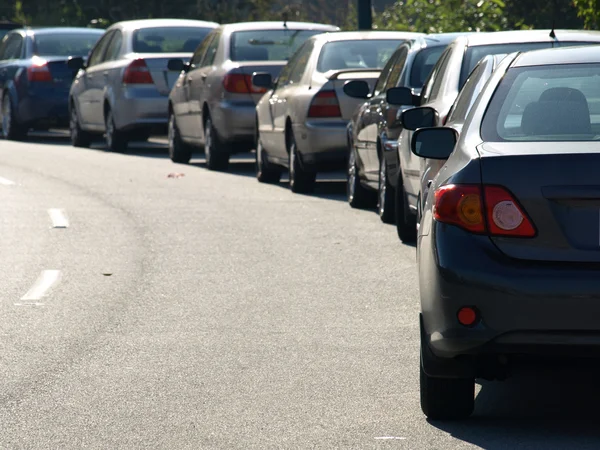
x: 322, y: 143
x: 44, y: 105
x: 524, y: 307
x: 235, y: 121
x: 140, y: 107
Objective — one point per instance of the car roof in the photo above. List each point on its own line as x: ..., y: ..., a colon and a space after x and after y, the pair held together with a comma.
x: 366, y: 35
x: 274, y: 25
x: 62, y: 30
x: 560, y: 55
x: 444, y: 38
x: 506, y: 37
x: 150, y: 23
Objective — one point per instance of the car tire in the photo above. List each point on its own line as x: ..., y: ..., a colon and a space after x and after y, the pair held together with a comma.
x: 301, y: 181
x: 179, y: 151
x: 11, y: 128
x: 386, y: 198
x: 406, y: 224
x: 446, y: 398
x: 79, y: 137
x: 216, y: 154
x: 116, y: 140
x: 358, y: 196
x: 265, y: 172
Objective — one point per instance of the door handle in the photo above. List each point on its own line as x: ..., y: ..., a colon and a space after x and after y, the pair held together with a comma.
x: 429, y: 183
x: 105, y: 73
x: 203, y: 76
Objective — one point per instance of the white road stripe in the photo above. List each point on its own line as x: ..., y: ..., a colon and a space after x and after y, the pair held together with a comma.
x: 6, y: 182
x: 45, y: 281
x: 58, y: 217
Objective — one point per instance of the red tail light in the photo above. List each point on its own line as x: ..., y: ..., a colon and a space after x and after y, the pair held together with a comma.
x: 325, y: 104
x: 39, y: 72
x: 238, y: 83
x: 137, y: 73
x: 487, y: 209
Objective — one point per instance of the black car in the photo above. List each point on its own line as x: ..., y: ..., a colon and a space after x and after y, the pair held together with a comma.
x: 508, y: 245
x: 374, y: 127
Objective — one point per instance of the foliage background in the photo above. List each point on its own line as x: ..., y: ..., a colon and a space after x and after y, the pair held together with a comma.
x: 415, y: 15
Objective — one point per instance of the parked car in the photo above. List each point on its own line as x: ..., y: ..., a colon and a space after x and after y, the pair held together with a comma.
x: 6, y: 26
x: 375, y: 126
x: 426, y: 116
x: 302, y: 120
x: 508, y: 247
x: 35, y: 77
x: 213, y: 102
x: 442, y: 88
x: 123, y: 88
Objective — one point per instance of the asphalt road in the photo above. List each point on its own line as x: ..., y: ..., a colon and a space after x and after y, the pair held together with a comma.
x: 209, y: 311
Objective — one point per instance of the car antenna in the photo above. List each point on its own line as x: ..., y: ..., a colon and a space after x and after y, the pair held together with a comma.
x: 285, y: 19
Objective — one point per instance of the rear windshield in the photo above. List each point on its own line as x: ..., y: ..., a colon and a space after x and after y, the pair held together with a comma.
x: 64, y: 44
x: 423, y: 64
x: 168, y: 39
x: 546, y: 103
x: 359, y: 54
x: 474, y: 54
x: 267, y: 45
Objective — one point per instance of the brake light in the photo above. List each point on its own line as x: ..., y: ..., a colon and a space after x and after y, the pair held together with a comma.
x: 325, y: 104
x: 137, y: 73
x: 38, y: 71
x: 496, y: 212
x: 238, y: 83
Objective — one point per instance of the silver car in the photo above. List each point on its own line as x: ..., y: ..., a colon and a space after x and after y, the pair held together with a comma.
x: 302, y: 120
x: 213, y: 102
x: 122, y: 90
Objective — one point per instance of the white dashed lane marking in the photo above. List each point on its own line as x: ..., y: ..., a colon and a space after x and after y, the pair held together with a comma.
x: 46, y: 280
x: 6, y: 182
x: 58, y: 217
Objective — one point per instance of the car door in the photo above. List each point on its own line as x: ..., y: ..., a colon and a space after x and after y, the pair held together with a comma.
x: 201, y: 86
x: 90, y: 93
x: 11, y: 51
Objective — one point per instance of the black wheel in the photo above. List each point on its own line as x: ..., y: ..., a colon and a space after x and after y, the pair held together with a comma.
x: 301, y: 180
x: 11, y: 128
x: 79, y: 137
x: 179, y: 151
x: 386, y: 198
x: 116, y: 140
x: 265, y: 172
x: 406, y: 223
x: 358, y: 195
x: 446, y: 398
x: 216, y: 154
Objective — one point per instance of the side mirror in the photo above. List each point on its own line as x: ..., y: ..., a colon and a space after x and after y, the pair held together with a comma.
x: 75, y: 63
x: 401, y: 96
x: 434, y: 143
x: 357, y: 89
x: 422, y: 117
x: 177, y: 65
x: 262, y: 80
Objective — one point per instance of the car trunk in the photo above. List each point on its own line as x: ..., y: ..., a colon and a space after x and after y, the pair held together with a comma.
x: 61, y: 75
x: 337, y: 80
x: 558, y: 185
x: 164, y: 79
x: 250, y: 67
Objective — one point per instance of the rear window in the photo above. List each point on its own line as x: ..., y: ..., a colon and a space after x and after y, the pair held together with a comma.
x: 474, y: 54
x: 547, y: 103
x: 267, y: 45
x: 168, y: 39
x: 64, y: 44
x: 359, y: 54
x: 423, y: 64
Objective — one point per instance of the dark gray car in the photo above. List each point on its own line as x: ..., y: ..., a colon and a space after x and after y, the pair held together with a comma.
x: 508, y: 245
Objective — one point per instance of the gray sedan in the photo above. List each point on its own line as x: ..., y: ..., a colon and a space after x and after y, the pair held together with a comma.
x: 213, y: 102
x: 122, y: 90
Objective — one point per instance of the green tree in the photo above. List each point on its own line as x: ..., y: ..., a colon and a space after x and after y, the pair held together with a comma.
x: 542, y: 14
x: 443, y: 16
x: 589, y: 11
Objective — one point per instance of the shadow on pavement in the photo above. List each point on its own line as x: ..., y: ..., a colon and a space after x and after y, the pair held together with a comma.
x: 553, y: 409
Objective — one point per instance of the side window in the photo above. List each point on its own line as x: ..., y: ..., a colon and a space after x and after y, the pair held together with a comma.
x: 302, y: 59
x: 11, y: 48
x: 97, y: 54
x: 397, y: 69
x: 468, y: 94
x: 199, y: 53
x: 437, y: 84
x: 112, y: 52
x: 385, y: 72
x: 284, y: 75
x: 211, y: 51
x: 426, y: 94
